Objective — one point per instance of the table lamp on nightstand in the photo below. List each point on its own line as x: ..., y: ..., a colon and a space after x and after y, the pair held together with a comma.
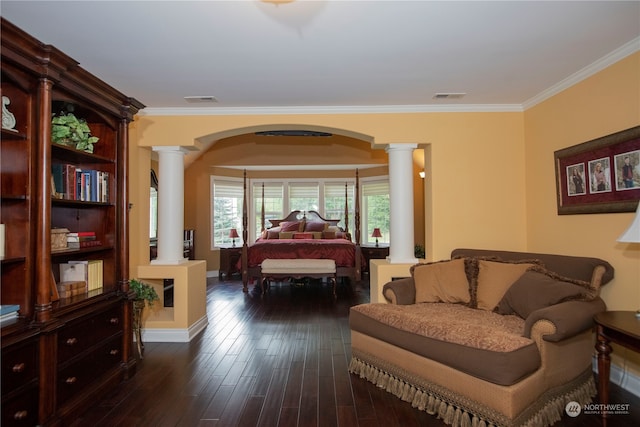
x: 632, y: 235
x: 376, y: 233
x: 233, y: 234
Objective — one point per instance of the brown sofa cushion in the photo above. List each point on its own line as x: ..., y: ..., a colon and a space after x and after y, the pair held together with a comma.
x: 481, y: 343
x: 442, y: 281
x: 535, y: 290
x: 494, y: 279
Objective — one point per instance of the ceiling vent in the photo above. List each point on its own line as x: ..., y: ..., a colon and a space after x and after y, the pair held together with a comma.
x: 200, y: 99
x: 449, y: 95
x: 292, y: 133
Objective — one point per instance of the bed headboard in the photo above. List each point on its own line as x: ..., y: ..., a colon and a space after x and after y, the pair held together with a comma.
x: 303, y: 215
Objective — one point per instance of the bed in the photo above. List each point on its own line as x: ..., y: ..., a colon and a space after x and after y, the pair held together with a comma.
x: 303, y: 235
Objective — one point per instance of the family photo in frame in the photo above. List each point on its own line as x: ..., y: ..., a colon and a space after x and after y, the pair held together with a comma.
x: 599, y: 176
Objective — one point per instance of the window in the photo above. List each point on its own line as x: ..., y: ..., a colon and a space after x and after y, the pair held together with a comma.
x: 227, y: 206
x: 334, y: 194
x: 327, y: 197
x: 304, y: 196
x: 375, y: 211
x: 273, y: 203
x: 153, y: 207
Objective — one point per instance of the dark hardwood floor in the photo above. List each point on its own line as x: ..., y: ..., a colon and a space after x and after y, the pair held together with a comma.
x: 278, y: 361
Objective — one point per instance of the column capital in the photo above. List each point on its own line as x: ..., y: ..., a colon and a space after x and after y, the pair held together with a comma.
x: 169, y: 149
x: 400, y: 147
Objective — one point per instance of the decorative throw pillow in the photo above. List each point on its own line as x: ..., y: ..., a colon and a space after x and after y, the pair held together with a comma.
x: 290, y: 226
x: 592, y: 290
x: 328, y: 234
x: 494, y: 279
x: 535, y: 290
x: 285, y: 235
x: 302, y: 235
x: 315, y: 226
x: 442, y: 281
x: 273, y: 234
x: 317, y: 234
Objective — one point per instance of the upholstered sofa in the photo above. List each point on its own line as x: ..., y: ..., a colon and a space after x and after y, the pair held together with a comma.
x: 485, y: 338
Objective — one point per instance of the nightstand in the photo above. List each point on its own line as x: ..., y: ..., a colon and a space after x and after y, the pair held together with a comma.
x: 620, y: 327
x: 229, y: 258
x: 373, y: 252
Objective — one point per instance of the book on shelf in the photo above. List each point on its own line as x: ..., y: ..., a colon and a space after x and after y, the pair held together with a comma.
x: 9, y: 309
x: 74, y: 183
x: 93, y: 271
x: 82, y: 239
x: 70, y: 289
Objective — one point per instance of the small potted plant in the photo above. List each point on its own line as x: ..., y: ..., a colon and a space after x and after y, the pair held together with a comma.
x: 144, y: 294
x: 67, y: 129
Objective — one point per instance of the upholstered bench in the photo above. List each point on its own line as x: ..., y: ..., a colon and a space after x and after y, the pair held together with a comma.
x: 272, y: 269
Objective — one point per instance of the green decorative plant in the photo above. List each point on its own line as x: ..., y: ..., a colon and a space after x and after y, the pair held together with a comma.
x: 67, y: 129
x: 418, y: 251
x: 143, y: 291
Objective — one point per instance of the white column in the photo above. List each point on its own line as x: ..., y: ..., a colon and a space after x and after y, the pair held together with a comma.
x: 401, y: 244
x: 170, y: 205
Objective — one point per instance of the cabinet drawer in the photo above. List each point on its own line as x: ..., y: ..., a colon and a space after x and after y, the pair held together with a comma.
x: 19, y: 365
x: 75, y: 377
x: 21, y: 410
x: 78, y: 336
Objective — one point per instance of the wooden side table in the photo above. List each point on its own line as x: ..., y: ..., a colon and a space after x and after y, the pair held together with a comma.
x: 229, y: 258
x: 374, y: 252
x: 620, y: 327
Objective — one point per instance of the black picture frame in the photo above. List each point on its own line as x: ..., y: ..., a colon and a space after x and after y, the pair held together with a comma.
x: 593, y: 177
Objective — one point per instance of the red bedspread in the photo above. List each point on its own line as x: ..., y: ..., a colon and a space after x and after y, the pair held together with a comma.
x: 340, y: 250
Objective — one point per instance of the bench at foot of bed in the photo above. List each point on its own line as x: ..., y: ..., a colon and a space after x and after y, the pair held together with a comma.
x: 272, y: 269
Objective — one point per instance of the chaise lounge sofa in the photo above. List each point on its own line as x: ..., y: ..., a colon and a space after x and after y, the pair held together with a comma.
x: 487, y: 338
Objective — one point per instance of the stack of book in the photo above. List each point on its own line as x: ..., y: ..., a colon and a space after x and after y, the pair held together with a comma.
x: 73, y: 183
x: 8, y: 312
x: 70, y: 289
x: 89, y: 272
x: 82, y: 239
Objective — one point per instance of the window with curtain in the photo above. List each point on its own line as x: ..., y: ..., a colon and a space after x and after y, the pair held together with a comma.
x: 374, y: 210
x: 227, y: 200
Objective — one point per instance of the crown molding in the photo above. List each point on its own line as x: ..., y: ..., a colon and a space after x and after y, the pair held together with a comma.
x: 354, y: 109
x: 622, y: 52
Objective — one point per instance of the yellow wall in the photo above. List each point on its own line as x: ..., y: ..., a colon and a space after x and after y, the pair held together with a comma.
x: 475, y: 160
x: 605, y: 103
x: 490, y: 176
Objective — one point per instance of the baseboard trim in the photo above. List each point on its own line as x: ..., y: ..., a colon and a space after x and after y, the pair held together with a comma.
x: 621, y: 377
x: 175, y: 335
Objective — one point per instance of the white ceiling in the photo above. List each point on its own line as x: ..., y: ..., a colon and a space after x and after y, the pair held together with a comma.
x: 333, y: 56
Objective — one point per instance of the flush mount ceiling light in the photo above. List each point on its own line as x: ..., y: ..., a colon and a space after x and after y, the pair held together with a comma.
x: 449, y: 95
x: 200, y: 98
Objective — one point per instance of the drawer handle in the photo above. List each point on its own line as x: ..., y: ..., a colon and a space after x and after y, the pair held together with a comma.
x: 72, y: 341
x: 114, y: 320
x: 114, y: 352
x: 20, y: 415
x: 18, y: 367
x: 71, y: 380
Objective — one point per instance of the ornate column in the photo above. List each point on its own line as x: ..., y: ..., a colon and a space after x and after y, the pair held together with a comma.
x: 401, y: 245
x: 170, y: 205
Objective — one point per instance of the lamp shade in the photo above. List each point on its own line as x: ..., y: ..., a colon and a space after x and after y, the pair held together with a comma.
x: 632, y: 234
x: 376, y: 233
x: 233, y: 233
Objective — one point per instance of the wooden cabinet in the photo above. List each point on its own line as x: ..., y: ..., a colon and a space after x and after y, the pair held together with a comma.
x: 58, y: 356
x: 229, y: 258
